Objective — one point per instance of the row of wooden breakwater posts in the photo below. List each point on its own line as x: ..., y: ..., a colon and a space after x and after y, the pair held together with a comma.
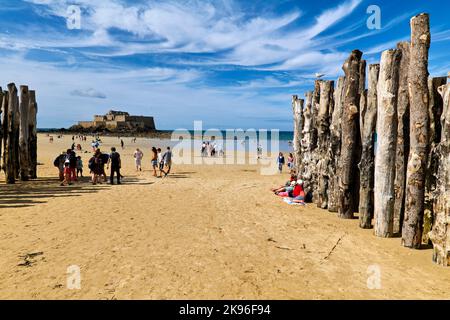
x: 18, y: 133
x: 401, y: 181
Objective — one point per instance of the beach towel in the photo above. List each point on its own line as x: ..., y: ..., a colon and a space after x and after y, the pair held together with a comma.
x: 292, y: 203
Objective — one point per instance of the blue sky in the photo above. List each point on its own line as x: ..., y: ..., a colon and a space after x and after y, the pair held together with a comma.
x: 229, y: 63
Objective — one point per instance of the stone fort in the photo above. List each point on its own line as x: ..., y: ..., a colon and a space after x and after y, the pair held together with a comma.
x: 114, y: 120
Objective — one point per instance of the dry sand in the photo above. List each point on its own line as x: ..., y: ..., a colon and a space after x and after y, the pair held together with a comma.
x: 207, y: 232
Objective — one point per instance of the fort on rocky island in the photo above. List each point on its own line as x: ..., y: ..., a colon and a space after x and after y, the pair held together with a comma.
x: 118, y: 121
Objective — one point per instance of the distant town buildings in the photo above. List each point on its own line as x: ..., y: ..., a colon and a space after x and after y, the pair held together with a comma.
x: 119, y: 120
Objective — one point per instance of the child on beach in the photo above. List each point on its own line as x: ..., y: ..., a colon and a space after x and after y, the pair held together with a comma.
x: 154, y: 161
x: 138, y: 155
x: 79, y: 167
x: 160, y: 162
x: 67, y: 172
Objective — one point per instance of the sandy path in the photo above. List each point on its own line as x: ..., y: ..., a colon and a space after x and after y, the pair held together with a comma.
x: 208, y: 232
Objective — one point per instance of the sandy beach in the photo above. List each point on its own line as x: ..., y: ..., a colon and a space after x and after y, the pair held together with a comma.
x: 205, y: 232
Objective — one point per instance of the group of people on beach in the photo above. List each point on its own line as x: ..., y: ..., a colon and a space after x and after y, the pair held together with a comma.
x: 211, y: 149
x: 281, y: 161
x: 292, y: 191
x: 160, y: 162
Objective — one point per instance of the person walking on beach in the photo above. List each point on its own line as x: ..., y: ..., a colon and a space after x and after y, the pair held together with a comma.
x: 290, y: 161
x: 280, y: 162
x: 105, y: 160
x: 79, y: 167
x: 59, y: 163
x: 154, y: 161
x: 167, y: 160
x: 138, y: 155
x: 95, y: 166
x: 122, y: 144
x: 67, y: 173
x: 116, y: 164
x: 160, y: 162
x: 72, y: 158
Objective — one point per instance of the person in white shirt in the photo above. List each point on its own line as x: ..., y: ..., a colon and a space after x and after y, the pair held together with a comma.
x: 138, y: 155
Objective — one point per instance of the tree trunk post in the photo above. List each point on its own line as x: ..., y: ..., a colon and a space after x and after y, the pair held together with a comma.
x: 402, y: 149
x: 335, y: 146
x: 350, y: 118
x: 32, y: 130
x: 1, y: 125
x: 323, y: 129
x: 419, y: 122
x: 368, y: 121
x: 10, y: 148
x: 305, y: 171
x: 440, y: 233
x: 297, y: 109
x: 387, y: 123
x: 4, y: 129
x: 23, y: 134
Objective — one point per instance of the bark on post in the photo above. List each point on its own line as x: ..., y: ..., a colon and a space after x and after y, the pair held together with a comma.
x: 417, y: 162
x: 23, y: 134
x: 323, y: 129
x: 315, y: 139
x: 440, y: 234
x: 4, y: 128
x: 402, y: 151
x: 350, y: 119
x: 306, y: 166
x: 368, y: 121
x: 32, y: 131
x: 387, y: 123
x: 435, y: 112
x: 335, y: 146
x: 10, y: 147
x: 1, y: 126
x: 297, y: 109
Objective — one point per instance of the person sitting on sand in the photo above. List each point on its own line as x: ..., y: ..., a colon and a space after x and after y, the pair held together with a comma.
x: 287, y: 184
x: 288, y: 191
x: 138, y: 155
x: 298, y: 195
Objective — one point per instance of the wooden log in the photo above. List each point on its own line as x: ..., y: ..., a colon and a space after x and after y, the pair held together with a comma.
x: 23, y: 134
x: 32, y: 129
x: 335, y: 146
x: 435, y: 109
x: 1, y: 125
x: 419, y: 122
x: 315, y: 158
x: 306, y: 168
x: 440, y: 233
x: 402, y: 149
x: 323, y: 129
x: 368, y: 121
x: 4, y: 128
x: 350, y: 119
x: 387, y: 123
x: 10, y: 157
x: 297, y: 109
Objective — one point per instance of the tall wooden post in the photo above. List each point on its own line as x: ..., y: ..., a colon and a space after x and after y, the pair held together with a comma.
x: 306, y: 169
x: 350, y: 119
x: 387, y: 123
x: 335, y: 146
x: 417, y: 162
x: 297, y: 109
x: 1, y: 126
x: 435, y: 111
x: 23, y: 134
x: 368, y: 121
x: 402, y: 151
x: 323, y: 129
x: 10, y: 148
x: 32, y: 130
x: 4, y: 128
x: 440, y: 233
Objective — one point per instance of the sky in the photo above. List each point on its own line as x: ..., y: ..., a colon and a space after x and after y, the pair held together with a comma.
x: 229, y: 63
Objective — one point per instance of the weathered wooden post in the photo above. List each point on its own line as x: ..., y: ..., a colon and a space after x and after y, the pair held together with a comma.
x: 10, y: 147
x: 387, y: 124
x: 419, y: 122
x: 23, y: 134
x: 1, y: 126
x: 368, y: 120
x: 402, y: 151
x: 335, y: 146
x: 32, y: 130
x: 4, y: 128
x: 440, y: 233
x: 435, y: 112
x: 297, y: 109
x: 323, y: 129
x: 350, y: 118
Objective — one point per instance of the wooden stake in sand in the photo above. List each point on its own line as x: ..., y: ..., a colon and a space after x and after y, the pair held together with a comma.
x: 350, y: 135
x: 1, y: 125
x: 418, y: 93
x: 368, y: 121
x: 335, y: 146
x: 32, y: 131
x: 435, y: 112
x: 10, y: 137
x: 402, y: 151
x: 386, y: 143
x: 307, y: 166
x: 4, y: 128
x: 323, y: 130
x: 440, y: 234
x: 297, y: 109
x: 23, y: 134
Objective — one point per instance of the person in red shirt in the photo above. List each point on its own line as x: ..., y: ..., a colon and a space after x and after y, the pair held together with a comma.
x: 298, y: 194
